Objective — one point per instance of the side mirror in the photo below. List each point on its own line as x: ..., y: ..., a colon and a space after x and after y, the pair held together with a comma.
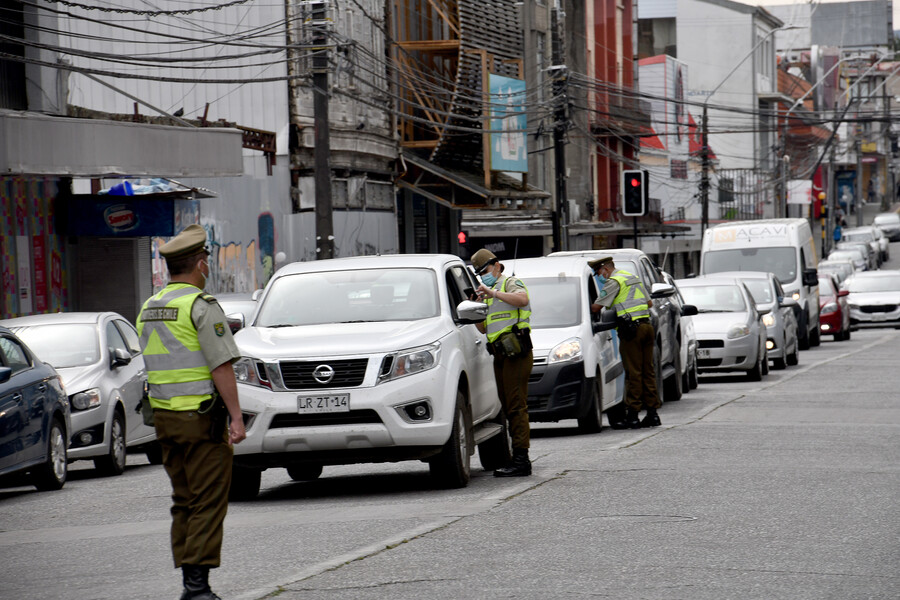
x: 470, y: 311
x: 256, y: 295
x: 5, y: 374
x: 810, y: 277
x: 689, y: 310
x: 235, y: 322
x: 842, y: 293
x: 787, y: 301
x: 120, y: 358
x: 606, y: 321
x: 763, y: 310
x: 663, y: 290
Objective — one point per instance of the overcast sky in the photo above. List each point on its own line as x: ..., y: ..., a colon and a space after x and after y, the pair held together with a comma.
x: 896, y: 5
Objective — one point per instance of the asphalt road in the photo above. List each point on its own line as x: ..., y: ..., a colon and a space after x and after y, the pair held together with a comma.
x: 785, y: 488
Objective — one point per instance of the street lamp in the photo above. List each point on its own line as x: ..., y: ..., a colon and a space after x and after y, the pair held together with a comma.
x: 704, y: 149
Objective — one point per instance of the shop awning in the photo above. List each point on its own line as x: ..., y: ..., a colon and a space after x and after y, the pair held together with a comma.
x: 38, y: 144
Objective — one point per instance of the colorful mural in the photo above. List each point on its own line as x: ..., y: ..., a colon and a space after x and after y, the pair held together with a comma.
x: 32, y: 254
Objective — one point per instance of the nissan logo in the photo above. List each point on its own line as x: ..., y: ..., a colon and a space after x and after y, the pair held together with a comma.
x: 323, y: 373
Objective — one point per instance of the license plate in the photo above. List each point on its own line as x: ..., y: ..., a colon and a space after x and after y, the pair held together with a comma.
x: 703, y: 353
x: 323, y: 404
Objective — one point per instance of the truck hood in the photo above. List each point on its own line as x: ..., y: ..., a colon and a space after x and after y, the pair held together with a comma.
x: 545, y: 340
x: 337, y: 339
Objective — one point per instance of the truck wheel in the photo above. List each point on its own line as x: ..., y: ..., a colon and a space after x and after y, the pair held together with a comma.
x: 245, y: 483
x: 496, y: 452
x: 304, y: 472
x: 51, y: 474
x: 451, y: 468
x: 592, y: 422
x: 113, y: 462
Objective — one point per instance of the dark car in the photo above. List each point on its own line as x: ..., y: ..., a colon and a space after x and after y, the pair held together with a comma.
x: 834, y: 313
x: 34, y: 416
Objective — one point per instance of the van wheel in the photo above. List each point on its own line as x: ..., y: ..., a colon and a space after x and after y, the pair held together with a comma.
x: 496, y: 451
x: 451, y: 468
x: 245, y: 483
x: 592, y: 422
x: 51, y: 474
x: 815, y: 337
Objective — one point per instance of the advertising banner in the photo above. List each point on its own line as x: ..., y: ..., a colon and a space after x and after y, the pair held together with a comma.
x: 509, y: 151
x: 125, y: 216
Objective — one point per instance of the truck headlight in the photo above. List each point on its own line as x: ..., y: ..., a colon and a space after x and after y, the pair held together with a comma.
x: 567, y: 350
x: 737, y: 331
x: 796, y: 296
x: 251, y: 372
x: 768, y: 320
x: 409, y: 362
x: 86, y: 399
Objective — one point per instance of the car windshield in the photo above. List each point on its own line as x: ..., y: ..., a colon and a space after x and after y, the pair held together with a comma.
x: 889, y: 283
x: 715, y: 298
x: 555, y: 301
x: 825, y: 287
x: 857, y: 236
x: 761, y: 290
x: 63, y: 345
x: 780, y: 261
x: 891, y: 219
x: 352, y: 296
x: 846, y: 255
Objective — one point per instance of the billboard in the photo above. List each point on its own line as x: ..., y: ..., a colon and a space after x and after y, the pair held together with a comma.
x: 509, y: 151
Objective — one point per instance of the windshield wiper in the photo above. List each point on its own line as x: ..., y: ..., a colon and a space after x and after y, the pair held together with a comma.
x: 281, y: 325
x: 713, y: 310
x: 357, y: 321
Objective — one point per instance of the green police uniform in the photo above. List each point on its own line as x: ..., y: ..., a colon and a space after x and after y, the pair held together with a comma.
x: 185, y: 336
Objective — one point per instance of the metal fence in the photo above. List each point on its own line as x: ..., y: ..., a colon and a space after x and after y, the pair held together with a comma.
x: 742, y: 194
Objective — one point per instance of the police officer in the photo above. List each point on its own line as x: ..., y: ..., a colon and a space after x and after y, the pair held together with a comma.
x: 188, y: 350
x: 625, y: 293
x: 508, y: 332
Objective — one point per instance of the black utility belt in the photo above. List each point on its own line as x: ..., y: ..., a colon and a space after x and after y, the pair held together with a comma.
x: 511, y: 343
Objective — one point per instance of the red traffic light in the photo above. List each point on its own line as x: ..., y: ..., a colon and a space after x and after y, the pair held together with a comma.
x: 635, y: 182
x: 461, y: 237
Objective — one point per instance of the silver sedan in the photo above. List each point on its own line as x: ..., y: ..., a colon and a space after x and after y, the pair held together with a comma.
x: 730, y: 333
x: 874, y: 299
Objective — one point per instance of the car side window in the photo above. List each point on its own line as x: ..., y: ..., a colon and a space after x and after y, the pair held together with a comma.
x: 130, y: 335
x: 114, y: 339
x: 458, y: 286
x: 14, y: 355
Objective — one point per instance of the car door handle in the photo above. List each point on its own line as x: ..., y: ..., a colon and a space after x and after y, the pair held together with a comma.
x: 478, y: 342
x: 42, y: 387
x: 17, y: 398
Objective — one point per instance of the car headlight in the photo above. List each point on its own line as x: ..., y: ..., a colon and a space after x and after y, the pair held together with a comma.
x: 251, y: 372
x: 736, y: 331
x: 853, y: 306
x: 768, y: 320
x: 796, y: 295
x: 86, y: 399
x: 567, y: 350
x: 410, y: 362
x: 829, y: 308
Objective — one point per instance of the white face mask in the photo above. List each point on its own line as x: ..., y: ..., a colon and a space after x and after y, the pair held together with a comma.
x: 206, y: 276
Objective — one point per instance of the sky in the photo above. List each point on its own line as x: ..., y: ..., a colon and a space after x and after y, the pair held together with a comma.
x: 896, y: 6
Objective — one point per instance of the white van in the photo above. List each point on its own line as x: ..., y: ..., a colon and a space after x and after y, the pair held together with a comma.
x: 578, y: 371
x: 784, y: 247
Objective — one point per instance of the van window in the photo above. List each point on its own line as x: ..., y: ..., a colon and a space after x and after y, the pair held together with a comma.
x: 782, y: 261
x: 555, y: 301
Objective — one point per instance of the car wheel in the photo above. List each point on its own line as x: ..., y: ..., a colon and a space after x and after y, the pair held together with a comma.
x: 304, y: 472
x: 496, y: 451
x: 756, y: 373
x: 673, y: 384
x: 245, y: 483
x: 779, y: 364
x: 51, y: 474
x: 592, y: 422
x: 154, y: 453
x: 794, y: 357
x: 452, y: 466
x: 847, y: 334
x: 814, y: 337
x: 113, y: 462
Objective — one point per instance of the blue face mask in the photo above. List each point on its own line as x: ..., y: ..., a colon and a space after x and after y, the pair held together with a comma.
x: 601, y: 281
x: 489, y: 279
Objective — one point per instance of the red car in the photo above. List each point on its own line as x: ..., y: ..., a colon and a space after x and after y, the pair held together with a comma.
x: 834, y: 316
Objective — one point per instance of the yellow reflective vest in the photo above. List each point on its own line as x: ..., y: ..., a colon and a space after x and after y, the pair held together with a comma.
x: 177, y: 372
x: 502, y: 316
x: 632, y: 298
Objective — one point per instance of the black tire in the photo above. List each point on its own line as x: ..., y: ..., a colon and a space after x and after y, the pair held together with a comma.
x: 672, y: 385
x: 52, y: 473
x: 245, y: 483
x: 803, y: 332
x: 113, y: 462
x: 304, y: 472
x: 451, y: 468
x: 592, y: 421
x: 154, y: 453
x: 793, y: 359
x: 694, y: 375
x: 815, y: 337
x: 847, y: 334
x: 496, y: 451
x: 779, y: 363
x: 765, y: 363
x: 756, y: 373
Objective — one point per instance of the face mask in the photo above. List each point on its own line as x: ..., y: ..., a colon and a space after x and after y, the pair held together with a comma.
x: 601, y: 280
x: 489, y: 279
x: 205, y: 277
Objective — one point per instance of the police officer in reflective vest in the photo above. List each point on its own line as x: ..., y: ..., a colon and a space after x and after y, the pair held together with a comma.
x: 509, y: 340
x: 188, y: 350
x: 625, y: 293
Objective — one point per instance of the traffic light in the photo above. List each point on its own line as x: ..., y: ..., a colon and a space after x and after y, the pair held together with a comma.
x: 634, y: 193
x: 463, y: 237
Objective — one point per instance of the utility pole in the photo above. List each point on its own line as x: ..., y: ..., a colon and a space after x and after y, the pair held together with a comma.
x: 704, y: 173
x: 560, y: 129
x: 831, y: 200
x: 322, y: 152
x: 859, y: 184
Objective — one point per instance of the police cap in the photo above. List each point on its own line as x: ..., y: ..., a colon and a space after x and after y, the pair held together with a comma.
x: 192, y: 240
x: 482, y: 259
x: 599, y: 262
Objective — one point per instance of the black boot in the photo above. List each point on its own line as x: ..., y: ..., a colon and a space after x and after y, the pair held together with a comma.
x: 651, y: 419
x: 196, y: 583
x: 628, y: 420
x: 519, y: 467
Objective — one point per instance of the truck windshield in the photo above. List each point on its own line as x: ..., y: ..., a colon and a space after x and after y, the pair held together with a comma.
x: 555, y: 302
x: 780, y: 261
x: 352, y: 296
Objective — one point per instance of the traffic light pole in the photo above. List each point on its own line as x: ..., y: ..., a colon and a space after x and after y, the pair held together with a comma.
x: 704, y: 173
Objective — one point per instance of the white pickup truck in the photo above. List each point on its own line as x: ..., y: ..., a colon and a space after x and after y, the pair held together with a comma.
x: 364, y: 360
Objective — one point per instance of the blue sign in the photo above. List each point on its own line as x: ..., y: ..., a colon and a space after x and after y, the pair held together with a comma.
x: 124, y: 216
x: 509, y: 149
